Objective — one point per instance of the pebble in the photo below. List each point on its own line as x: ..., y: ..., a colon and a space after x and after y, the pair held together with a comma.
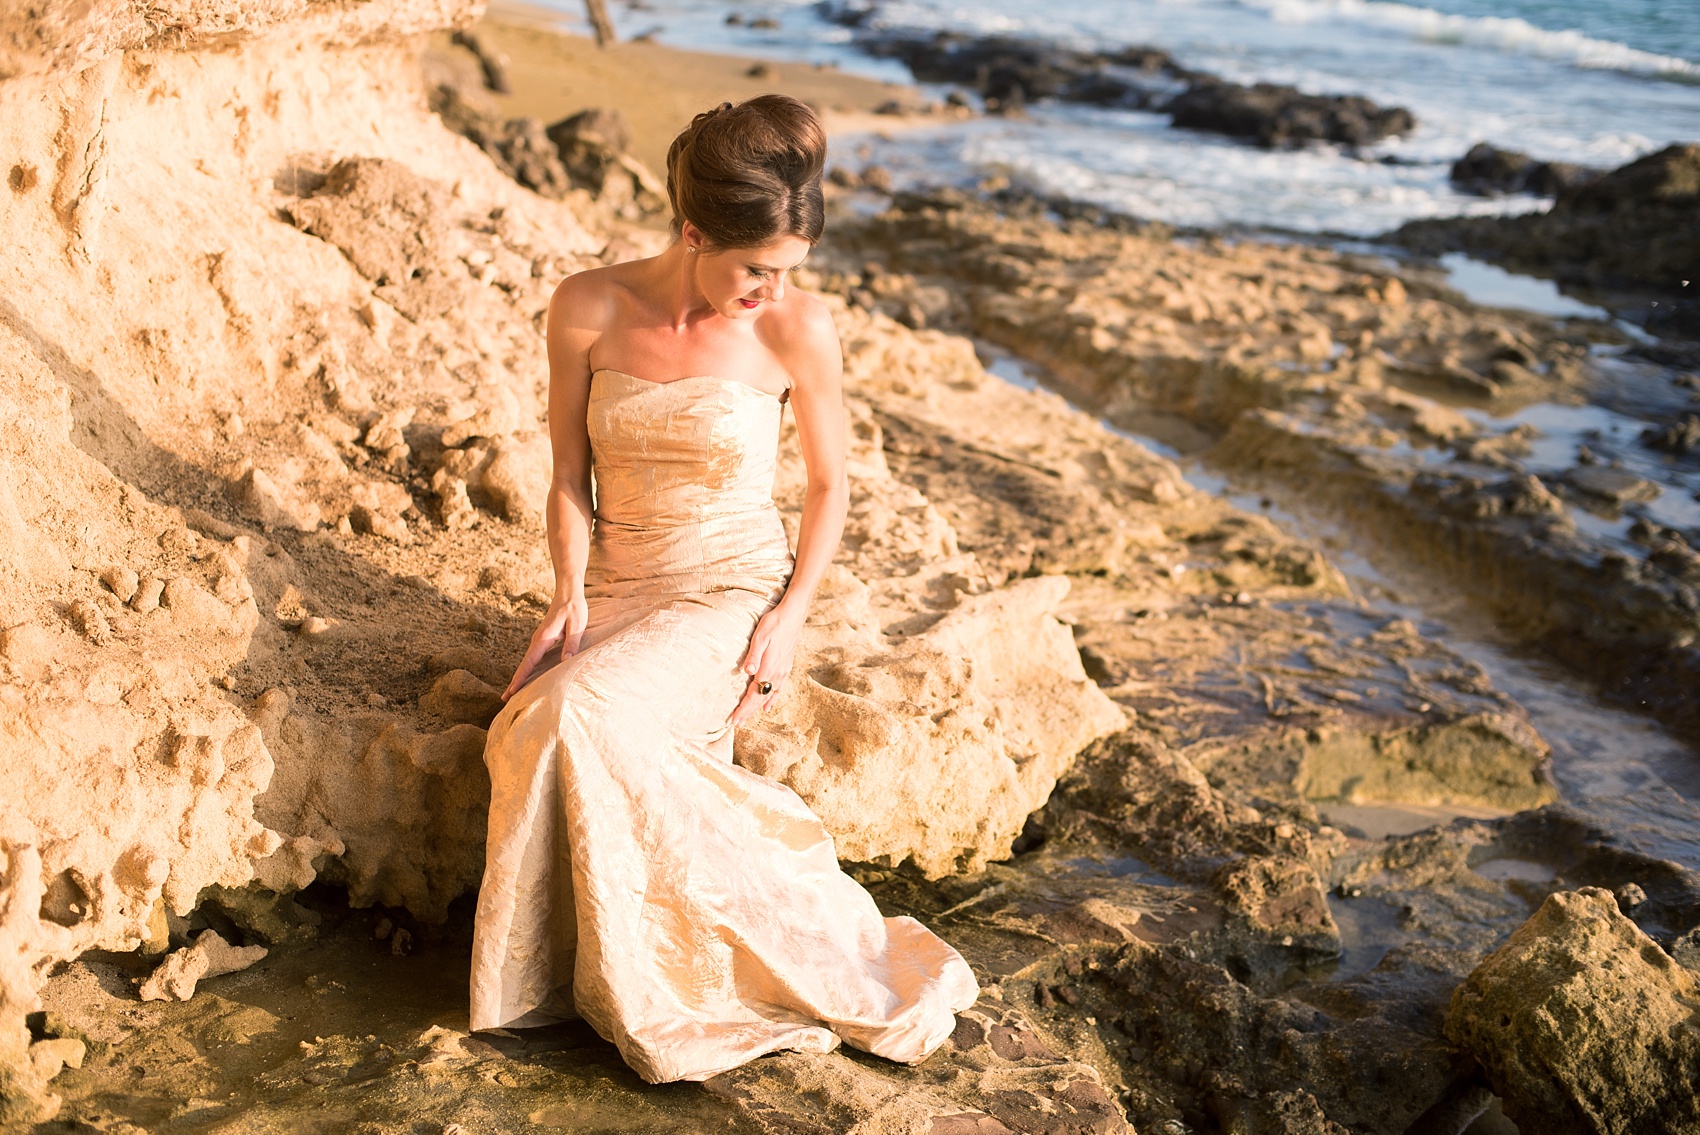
x: 147, y: 595
x: 315, y: 625
x: 121, y: 581
x: 88, y: 619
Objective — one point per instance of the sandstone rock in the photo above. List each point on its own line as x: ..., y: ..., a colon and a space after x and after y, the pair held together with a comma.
x: 49, y: 1056
x: 584, y: 151
x: 1489, y: 758
x: 210, y: 956
x: 989, y: 701
x: 384, y: 217
x: 391, y: 527
x: 518, y: 476
x: 494, y: 413
x: 1284, y: 901
x: 274, y: 503
x: 88, y: 619
x: 121, y: 581
x: 385, y: 431
x: 472, y: 659
x: 492, y: 60
x: 1615, y: 486
x: 132, y: 769
x: 1010, y: 72
x: 996, y: 1075
x: 1583, y: 1024
x: 402, y: 811
x: 460, y: 698
x: 147, y: 595
x: 1681, y: 436
x: 454, y: 505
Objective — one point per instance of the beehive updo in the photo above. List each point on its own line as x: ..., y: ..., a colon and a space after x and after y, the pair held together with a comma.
x: 749, y: 174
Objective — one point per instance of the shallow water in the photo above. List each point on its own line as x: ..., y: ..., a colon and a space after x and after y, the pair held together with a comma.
x: 1492, y: 286
x: 1621, y: 769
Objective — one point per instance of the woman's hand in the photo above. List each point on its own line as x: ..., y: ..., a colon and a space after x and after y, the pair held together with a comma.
x: 563, y: 624
x: 772, y: 647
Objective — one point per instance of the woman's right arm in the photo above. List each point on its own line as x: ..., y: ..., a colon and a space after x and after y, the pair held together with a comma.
x: 577, y: 312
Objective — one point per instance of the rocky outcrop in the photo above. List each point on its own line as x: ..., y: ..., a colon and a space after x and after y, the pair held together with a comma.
x: 270, y: 490
x: 69, y: 37
x: 584, y: 151
x: 1008, y: 73
x: 189, y: 439
x: 1583, y: 1023
x: 1489, y: 171
x: 931, y: 745
x: 1281, y: 117
x: 1332, y: 376
x: 1636, y: 227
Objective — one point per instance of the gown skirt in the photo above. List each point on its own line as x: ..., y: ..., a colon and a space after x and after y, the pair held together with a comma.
x: 692, y: 912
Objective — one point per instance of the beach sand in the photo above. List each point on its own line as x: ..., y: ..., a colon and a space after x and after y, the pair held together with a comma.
x: 554, y: 73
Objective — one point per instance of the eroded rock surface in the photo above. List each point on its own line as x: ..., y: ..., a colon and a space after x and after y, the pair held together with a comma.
x: 1579, y: 969
x: 271, y: 497
x: 270, y: 490
x: 1335, y: 376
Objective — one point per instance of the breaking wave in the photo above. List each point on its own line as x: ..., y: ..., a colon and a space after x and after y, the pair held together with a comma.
x: 1497, y: 33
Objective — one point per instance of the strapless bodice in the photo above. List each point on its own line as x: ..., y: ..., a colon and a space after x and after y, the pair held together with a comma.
x: 684, y: 486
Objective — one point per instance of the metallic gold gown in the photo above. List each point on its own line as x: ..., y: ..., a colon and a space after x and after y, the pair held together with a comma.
x: 691, y: 911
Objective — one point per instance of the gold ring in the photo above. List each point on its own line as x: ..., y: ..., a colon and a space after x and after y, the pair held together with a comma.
x: 764, y: 687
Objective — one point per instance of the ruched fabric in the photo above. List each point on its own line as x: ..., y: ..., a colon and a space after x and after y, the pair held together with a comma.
x: 691, y: 911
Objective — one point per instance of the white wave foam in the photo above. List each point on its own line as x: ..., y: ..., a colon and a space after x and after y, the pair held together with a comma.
x: 1499, y: 33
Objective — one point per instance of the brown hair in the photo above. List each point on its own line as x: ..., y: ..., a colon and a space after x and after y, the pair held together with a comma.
x: 749, y: 174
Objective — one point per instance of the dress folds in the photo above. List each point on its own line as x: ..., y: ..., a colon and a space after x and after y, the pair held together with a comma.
x: 691, y: 911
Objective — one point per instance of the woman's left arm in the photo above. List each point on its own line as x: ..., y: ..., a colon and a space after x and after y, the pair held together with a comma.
x: 817, y: 370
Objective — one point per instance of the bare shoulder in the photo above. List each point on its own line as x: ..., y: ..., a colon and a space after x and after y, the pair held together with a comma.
x: 802, y: 336
x: 588, y: 300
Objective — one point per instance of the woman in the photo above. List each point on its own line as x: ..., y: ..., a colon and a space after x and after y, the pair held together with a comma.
x: 692, y: 911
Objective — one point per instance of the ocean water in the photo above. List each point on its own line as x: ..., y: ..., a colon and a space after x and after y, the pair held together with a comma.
x: 1592, y: 81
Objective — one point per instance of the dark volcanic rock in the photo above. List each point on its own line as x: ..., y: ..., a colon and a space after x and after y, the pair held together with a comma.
x: 1279, y: 117
x: 1491, y: 172
x: 1638, y: 225
x: 1009, y: 73
x: 1678, y: 437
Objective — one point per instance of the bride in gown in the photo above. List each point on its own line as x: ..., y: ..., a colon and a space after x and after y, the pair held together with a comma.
x: 691, y: 911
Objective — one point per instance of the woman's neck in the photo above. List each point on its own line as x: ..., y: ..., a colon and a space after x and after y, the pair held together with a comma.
x: 677, y: 288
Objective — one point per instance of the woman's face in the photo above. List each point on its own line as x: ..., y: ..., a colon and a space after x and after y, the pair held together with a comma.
x: 737, y: 281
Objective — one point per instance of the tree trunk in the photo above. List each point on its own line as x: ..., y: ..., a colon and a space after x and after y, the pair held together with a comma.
x: 599, y: 21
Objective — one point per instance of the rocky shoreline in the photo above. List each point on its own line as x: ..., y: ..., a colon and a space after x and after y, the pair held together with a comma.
x: 1628, y: 235
x: 1230, y: 848
x: 1634, y: 229
x: 1351, y: 387
x: 1009, y: 73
